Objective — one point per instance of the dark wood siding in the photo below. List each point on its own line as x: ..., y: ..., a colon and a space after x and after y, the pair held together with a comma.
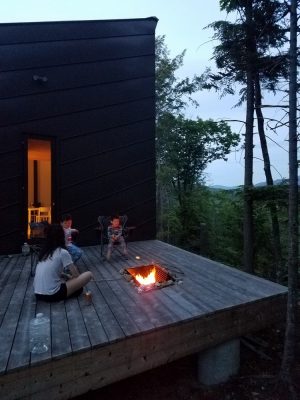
x: 98, y: 106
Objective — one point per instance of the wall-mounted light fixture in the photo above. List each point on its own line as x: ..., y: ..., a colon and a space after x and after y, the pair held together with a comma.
x: 38, y: 78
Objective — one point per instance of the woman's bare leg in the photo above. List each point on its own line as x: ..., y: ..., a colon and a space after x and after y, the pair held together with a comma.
x: 76, y: 283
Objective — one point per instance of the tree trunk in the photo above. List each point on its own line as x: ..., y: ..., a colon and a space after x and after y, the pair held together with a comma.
x: 290, y: 334
x: 276, y: 243
x: 248, y: 179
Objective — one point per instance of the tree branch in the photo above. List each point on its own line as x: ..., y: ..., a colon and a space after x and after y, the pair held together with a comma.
x: 271, y: 106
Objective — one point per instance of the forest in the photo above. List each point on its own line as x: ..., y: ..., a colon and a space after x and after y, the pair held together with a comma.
x: 252, y: 228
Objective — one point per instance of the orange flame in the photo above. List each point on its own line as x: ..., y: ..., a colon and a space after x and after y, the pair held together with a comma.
x: 149, y: 279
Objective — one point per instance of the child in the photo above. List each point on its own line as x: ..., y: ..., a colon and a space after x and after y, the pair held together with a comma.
x: 53, y: 259
x: 115, y: 234
x: 75, y: 251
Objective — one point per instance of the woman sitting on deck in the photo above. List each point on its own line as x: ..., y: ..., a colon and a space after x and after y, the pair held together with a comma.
x: 53, y: 259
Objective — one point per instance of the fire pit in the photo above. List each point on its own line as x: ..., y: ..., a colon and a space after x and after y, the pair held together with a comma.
x: 148, y: 277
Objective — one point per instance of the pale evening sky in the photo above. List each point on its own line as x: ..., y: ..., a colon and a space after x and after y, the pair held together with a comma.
x: 182, y: 23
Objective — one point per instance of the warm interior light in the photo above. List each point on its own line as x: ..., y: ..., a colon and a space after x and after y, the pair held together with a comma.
x: 148, y: 280
x: 138, y: 257
x: 39, y: 181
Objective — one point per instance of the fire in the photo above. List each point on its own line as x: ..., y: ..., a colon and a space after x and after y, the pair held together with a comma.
x: 149, y: 279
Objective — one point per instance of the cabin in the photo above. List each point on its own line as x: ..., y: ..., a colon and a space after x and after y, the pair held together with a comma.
x: 77, y: 125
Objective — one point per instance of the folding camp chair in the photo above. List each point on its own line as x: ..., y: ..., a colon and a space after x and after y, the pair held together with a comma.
x: 38, y: 231
x: 104, y: 222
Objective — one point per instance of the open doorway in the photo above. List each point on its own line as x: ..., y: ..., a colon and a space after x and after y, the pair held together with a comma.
x: 39, y: 180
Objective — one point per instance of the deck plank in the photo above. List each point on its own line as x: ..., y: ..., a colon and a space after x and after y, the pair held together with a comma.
x: 169, y: 313
x: 219, y: 276
x: 191, y: 283
x: 78, y: 332
x: 20, y: 352
x: 151, y: 305
x: 6, y: 268
x: 8, y: 283
x: 110, y: 323
x: 117, y: 305
x: 124, y: 332
x: 117, y: 284
x: 60, y: 334
x: 93, y: 321
x: 168, y: 297
x: 17, y: 291
x: 219, y: 272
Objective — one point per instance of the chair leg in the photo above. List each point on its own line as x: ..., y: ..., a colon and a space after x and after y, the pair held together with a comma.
x: 102, y: 256
x: 101, y: 246
x: 32, y: 262
x: 121, y: 247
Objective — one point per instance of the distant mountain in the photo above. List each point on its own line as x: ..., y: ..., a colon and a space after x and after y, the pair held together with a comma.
x: 260, y: 184
x: 220, y: 187
x: 278, y: 182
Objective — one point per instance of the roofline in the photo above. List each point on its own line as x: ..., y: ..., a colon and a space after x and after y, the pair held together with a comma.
x: 79, y: 20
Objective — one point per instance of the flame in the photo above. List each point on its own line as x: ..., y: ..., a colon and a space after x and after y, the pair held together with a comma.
x: 148, y: 280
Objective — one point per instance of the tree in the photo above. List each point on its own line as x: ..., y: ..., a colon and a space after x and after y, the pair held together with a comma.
x: 172, y: 96
x: 290, y: 334
x: 245, y: 56
x: 248, y: 183
x: 187, y: 146
x: 276, y: 248
x: 260, y: 74
x: 184, y: 147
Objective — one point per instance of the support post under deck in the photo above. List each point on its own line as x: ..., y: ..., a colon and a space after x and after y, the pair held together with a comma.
x: 218, y: 364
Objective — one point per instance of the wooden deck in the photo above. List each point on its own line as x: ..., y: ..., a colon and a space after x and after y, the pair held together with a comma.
x: 124, y: 332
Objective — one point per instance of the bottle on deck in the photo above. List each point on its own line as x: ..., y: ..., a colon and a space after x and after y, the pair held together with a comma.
x: 39, y: 334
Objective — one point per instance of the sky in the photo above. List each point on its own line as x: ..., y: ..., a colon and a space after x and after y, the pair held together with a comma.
x: 182, y: 23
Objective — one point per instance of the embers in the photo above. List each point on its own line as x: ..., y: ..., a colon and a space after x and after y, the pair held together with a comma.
x: 148, y: 277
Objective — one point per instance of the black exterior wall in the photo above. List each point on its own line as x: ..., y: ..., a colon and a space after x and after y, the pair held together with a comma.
x: 97, y: 105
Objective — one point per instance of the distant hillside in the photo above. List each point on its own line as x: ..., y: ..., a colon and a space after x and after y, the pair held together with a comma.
x: 276, y: 182
x: 220, y: 187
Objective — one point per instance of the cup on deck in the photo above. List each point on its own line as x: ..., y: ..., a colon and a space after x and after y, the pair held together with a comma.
x: 88, y: 297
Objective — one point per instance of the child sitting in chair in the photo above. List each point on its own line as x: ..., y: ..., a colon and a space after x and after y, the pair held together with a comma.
x: 75, y: 251
x: 115, y: 235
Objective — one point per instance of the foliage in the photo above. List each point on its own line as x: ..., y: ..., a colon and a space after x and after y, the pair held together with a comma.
x: 216, y: 227
x: 252, y: 53
x: 265, y: 263
x: 223, y: 219
x: 189, y: 214
x: 184, y: 146
x: 172, y: 93
x: 270, y: 58
x: 187, y: 146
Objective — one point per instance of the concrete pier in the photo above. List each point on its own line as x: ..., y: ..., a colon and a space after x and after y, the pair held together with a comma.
x: 218, y: 364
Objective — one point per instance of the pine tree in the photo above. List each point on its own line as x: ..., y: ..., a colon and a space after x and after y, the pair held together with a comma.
x: 246, y: 56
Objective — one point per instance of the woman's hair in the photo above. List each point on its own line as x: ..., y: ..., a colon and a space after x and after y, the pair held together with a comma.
x: 55, y: 238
